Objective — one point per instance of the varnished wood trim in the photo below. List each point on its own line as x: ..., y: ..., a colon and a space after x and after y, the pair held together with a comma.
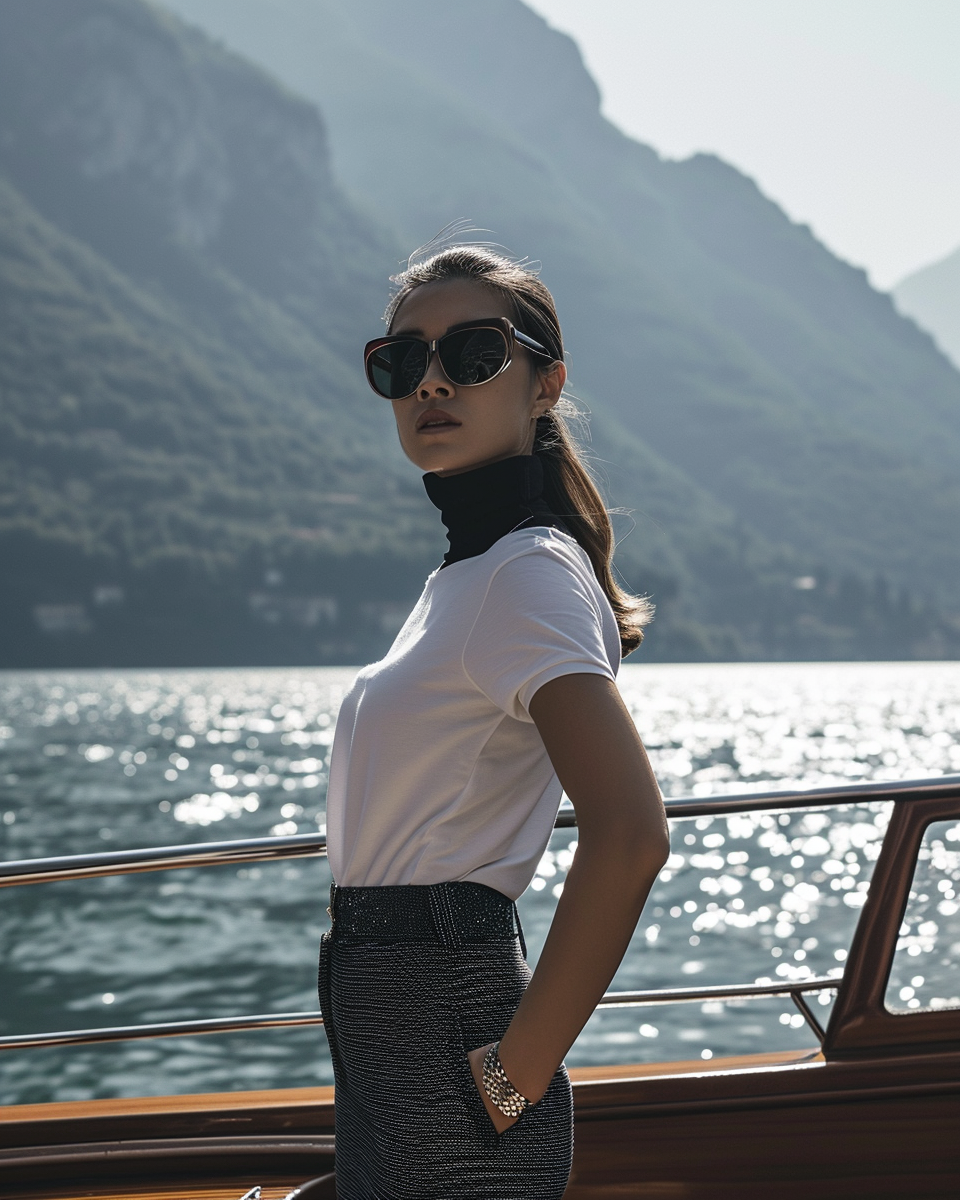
x: 136, y: 1154
x: 660, y: 1070
x: 152, y: 1190
x: 286, y: 1098
x: 322, y: 1097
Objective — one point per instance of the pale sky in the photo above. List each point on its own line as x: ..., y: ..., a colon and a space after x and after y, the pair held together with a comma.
x: 846, y: 112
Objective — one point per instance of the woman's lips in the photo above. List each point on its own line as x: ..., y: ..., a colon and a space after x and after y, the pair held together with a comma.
x: 435, y: 421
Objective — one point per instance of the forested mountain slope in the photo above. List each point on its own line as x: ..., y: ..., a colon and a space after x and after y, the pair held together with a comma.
x: 720, y: 333
x: 191, y: 467
x: 182, y: 286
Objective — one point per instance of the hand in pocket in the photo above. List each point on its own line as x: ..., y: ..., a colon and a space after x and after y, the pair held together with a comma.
x: 475, y: 1058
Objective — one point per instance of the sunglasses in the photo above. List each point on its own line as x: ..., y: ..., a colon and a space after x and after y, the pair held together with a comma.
x: 470, y: 354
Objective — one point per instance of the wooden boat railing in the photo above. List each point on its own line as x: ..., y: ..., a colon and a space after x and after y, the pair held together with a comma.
x: 921, y: 793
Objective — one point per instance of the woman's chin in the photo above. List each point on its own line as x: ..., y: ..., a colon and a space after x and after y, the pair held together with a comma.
x: 440, y: 460
x: 457, y: 464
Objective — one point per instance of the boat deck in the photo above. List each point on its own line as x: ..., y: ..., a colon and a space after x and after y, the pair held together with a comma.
x: 119, y: 1137
x: 742, y: 1128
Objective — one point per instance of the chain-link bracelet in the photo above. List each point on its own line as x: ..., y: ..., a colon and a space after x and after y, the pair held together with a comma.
x: 498, y: 1087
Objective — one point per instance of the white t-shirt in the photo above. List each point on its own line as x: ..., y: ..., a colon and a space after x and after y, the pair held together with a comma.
x: 437, y: 771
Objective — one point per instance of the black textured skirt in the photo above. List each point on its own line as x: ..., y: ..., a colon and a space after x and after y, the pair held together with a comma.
x: 411, y: 978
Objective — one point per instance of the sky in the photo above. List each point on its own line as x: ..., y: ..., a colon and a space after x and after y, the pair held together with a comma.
x: 846, y: 112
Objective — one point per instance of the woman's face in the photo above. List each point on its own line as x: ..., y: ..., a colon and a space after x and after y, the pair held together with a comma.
x: 446, y: 429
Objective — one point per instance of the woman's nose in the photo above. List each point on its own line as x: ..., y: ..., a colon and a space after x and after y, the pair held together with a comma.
x: 434, y: 382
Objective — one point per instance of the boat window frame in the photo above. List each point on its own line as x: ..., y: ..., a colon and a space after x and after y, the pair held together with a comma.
x: 861, y: 1024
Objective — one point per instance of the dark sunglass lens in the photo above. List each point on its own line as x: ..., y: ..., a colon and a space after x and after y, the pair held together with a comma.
x: 396, y: 368
x: 471, y: 356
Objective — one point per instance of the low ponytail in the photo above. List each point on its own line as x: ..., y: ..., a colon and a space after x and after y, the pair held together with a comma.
x: 568, y: 488
x: 572, y: 495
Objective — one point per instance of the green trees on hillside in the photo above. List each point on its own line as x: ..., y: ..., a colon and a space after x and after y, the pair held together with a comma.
x: 191, y: 466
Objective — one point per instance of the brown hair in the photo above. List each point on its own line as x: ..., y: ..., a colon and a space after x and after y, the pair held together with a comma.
x: 568, y: 488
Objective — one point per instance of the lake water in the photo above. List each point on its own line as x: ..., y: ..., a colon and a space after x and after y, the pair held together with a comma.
x: 97, y: 760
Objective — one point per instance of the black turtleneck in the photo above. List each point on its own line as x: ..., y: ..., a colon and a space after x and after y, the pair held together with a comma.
x: 479, y: 507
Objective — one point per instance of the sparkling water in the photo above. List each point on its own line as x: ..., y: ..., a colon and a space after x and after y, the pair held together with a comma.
x: 111, y: 760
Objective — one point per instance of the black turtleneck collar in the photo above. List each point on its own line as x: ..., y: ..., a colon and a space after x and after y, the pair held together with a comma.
x: 480, y: 506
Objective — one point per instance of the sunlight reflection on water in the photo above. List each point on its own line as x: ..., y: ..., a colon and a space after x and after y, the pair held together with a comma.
x: 113, y: 759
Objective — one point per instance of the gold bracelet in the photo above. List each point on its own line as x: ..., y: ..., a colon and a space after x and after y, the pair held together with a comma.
x: 498, y: 1087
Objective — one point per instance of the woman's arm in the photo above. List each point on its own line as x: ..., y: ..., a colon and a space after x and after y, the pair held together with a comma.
x: 622, y: 844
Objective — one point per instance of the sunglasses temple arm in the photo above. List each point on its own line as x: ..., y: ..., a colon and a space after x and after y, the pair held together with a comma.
x: 530, y: 344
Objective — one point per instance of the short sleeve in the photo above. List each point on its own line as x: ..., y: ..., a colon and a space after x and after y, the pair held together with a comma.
x: 540, y: 618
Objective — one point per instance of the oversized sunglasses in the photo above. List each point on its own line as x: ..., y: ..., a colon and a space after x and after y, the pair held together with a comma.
x: 470, y: 354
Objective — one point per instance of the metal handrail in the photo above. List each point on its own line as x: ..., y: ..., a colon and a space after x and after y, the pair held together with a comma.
x: 312, y: 845
x: 161, y: 858
x: 160, y: 1029
x: 723, y: 991
x: 167, y: 858
x: 845, y: 793
x: 117, y: 1033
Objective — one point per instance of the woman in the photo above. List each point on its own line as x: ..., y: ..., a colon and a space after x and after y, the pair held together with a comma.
x: 448, y: 763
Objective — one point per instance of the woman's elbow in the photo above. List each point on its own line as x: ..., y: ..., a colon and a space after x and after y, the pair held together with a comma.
x: 639, y: 839
x: 652, y: 847
x: 650, y: 837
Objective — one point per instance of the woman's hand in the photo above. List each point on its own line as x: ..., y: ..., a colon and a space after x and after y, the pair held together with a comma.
x: 476, y: 1057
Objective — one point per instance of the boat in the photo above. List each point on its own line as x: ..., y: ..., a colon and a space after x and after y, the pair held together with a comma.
x: 870, y: 1109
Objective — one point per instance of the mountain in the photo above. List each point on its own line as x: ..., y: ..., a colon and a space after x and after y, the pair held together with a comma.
x: 819, y: 429
x: 709, y: 326
x: 182, y: 285
x: 195, y: 237
x: 932, y: 297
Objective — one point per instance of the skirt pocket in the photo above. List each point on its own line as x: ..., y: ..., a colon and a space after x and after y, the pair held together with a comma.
x: 324, y: 995
x: 468, y: 1090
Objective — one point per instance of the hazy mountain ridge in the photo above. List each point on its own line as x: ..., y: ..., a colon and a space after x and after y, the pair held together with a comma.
x: 191, y: 467
x: 717, y: 331
x: 169, y: 429
x: 173, y: 158
x: 931, y: 296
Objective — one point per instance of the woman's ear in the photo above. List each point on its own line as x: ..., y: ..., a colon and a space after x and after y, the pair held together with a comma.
x: 550, y: 383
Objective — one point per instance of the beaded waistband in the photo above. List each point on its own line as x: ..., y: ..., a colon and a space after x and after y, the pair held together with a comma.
x: 453, y: 914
